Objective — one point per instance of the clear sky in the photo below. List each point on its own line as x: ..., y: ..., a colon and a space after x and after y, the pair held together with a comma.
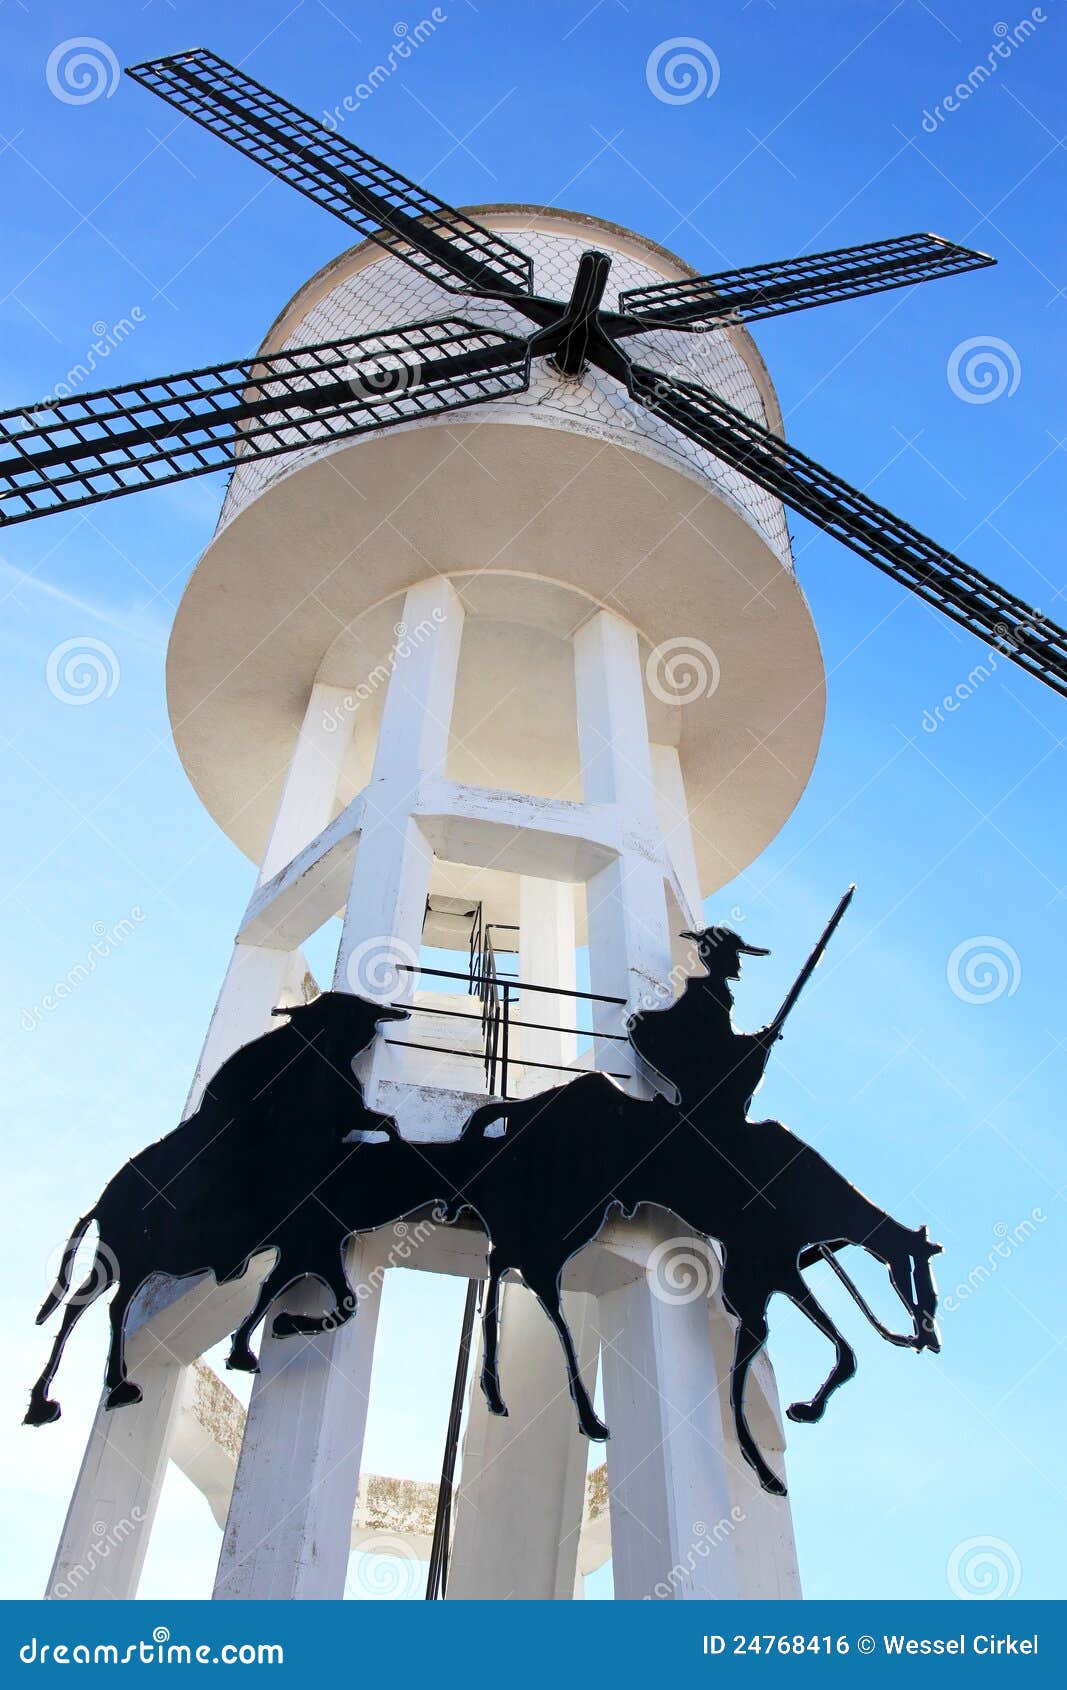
x: 942, y: 1099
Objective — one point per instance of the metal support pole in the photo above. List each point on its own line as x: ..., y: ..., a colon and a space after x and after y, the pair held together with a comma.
x: 437, y: 1576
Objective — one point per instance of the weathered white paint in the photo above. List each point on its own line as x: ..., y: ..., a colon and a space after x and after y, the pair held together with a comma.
x: 393, y: 1516
x: 629, y: 940
x: 206, y: 1437
x: 289, y: 1527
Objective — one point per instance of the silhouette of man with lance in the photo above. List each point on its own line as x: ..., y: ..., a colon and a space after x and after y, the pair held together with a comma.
x: 693, y: 1044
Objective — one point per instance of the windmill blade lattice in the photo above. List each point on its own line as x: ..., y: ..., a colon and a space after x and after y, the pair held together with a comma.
x: 373, y: 199
x: 102, y: 445
x: 960, y: 592
x: 771, y: 290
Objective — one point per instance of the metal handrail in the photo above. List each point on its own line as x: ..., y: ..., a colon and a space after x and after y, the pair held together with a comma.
x: 534, y: 1026
x: 453, y: 1050
x: 495, y: 1015
x: 523, y: 985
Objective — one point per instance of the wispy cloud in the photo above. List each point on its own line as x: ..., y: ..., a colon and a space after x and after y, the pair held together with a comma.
x: 139, y: 625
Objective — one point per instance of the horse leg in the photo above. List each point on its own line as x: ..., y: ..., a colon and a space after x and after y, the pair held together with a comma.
x: 286, y: 1324
x: 751, y: 1312
x: 844, y: 1365
x: 242, y: 1358
x: 491, y: 1337
x: 42, y: 1410
x: 122, y: 1392
x: 588, y: 1420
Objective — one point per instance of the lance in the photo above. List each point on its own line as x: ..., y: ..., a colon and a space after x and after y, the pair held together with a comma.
x: 775, y: 1028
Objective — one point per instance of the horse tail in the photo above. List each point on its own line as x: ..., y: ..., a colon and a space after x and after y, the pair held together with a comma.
x: 62, y: 1284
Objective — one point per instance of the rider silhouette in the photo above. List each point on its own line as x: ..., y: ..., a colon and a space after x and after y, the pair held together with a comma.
x: 692, y: 1043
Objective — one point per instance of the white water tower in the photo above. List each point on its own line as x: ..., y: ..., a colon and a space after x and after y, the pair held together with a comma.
x: 537, y: 673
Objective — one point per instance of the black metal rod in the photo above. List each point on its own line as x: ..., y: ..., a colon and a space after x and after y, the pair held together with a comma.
x: 437, y: 1576
x: 452, y: 1050
x: 504, y: 1037
x: 523, y: 985
x: 535, y: 1026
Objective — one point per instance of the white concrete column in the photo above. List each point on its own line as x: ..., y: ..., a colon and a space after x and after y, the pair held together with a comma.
x: 764, y: 1541
x: 126, y: 1456
x: 629, y: 939
x: 529, y: 1470
x: 105, y: 1535
x: 518, y: 1512
x: 387, y: 899
x: 672, y: 811
x: 289, y: 1527
x: 259, y: 977
x: 671, y: 1522
x: 310, y: 791
x: 546, y: 958
x: 256, y: 980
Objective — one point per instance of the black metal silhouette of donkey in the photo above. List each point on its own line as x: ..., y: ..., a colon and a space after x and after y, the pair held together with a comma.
x: 284, y: 1155
x: 772, y: 1203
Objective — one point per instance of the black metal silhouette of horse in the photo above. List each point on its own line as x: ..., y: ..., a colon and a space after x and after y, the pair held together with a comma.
x: 239, y: 1176
x: 583, y: 1149
x: 289, y: 1164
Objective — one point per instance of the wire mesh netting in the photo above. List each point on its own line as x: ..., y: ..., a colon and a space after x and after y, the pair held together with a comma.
x: 388, y: 292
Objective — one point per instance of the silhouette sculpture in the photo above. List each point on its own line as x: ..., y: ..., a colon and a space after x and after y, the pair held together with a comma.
x: 239, y: 1176
x: 284, y: 1155
x: 693, y: 1044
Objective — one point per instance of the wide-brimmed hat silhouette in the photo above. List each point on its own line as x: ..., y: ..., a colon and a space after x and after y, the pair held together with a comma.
x: 721, y: 947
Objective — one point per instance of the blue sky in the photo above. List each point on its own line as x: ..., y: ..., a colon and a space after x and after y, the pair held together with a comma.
x: 944, y: 1109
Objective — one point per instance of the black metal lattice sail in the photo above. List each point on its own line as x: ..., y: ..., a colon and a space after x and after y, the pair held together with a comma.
x: 67, y: 453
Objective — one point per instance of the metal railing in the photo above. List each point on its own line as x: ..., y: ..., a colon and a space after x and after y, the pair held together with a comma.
x: 497, y: 1023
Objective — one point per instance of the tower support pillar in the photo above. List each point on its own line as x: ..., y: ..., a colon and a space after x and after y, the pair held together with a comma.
x: 626, y: 906
x: 391, y: 879
x: 289, y: 1527
x: 258, y: 975
x: 531, y: 1467
x: 109, y: 1521
x: 672, y: 1526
